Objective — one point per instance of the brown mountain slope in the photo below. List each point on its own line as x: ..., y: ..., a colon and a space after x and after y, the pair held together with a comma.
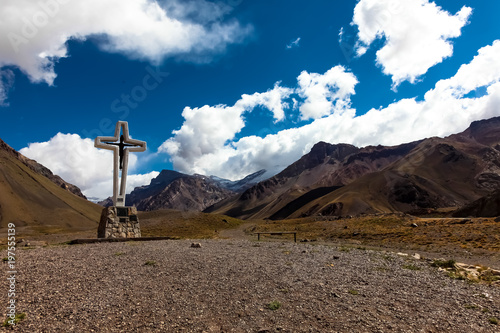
x: 171, y: 190
x: 34, y: 203
x: 40, y: 169
x: 175, y: 190
x: 157, y: 185
x: 487, y: 206
x: 449, y: 172
x: 325, y: 168
x: 435, y: 172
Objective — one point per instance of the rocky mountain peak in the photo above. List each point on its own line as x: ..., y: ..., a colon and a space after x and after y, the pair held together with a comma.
x: 166, y: 177
x: 484, y: 131
x: 319, y: 154
x: 175, y: 190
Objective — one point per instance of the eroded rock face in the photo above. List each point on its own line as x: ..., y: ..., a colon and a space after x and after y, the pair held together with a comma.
x: 119, y: 222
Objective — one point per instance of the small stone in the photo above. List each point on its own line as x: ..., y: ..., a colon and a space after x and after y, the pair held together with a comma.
x: 196, y: 245
x: 416, y: 256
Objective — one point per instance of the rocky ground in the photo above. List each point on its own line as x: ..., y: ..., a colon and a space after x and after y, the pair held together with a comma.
x: 241, y: 286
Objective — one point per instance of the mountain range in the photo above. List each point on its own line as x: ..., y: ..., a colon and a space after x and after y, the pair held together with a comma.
x: 458, y: 171
x: 175, y: 190
x: 342, y: 179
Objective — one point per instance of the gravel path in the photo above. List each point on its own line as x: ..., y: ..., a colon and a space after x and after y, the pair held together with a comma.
x: 228, y: 285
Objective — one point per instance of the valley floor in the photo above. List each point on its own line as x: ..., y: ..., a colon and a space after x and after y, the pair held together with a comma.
x: 239, y: 285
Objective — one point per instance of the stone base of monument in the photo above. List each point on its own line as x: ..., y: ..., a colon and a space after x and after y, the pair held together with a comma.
x: 119, y: 222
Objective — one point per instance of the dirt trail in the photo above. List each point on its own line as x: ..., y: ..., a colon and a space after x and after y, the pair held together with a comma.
x: 237, y: 233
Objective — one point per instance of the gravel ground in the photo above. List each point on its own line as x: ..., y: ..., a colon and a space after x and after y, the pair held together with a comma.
x: 228, y: 285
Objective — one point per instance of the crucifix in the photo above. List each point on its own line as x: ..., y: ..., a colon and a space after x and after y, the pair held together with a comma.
x: 120, y: 145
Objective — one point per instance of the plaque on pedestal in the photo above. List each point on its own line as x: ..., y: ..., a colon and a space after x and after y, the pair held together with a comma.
x: 119, y: 222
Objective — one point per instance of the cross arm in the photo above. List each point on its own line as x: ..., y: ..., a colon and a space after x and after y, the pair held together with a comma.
x: 101, y: 142
x: 140, y: 145
x: 136, y: 145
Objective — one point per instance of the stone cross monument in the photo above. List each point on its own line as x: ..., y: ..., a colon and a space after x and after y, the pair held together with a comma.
x: 119, y: 221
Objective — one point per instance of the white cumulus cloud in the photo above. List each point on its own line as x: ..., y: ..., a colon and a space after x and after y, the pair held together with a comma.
x: 207, y: 130
x: 417, y: 34
x: 271, y: 99
x: 482, y: 71
x: 325, y: 93
x: 34, y: 33
x: 78, y: 162
x: 447, y: 108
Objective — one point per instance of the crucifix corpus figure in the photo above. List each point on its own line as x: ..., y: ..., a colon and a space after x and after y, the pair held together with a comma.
x: 120, y: 145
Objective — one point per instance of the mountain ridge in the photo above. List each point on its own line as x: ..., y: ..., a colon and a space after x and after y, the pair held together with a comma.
x: 35, y: 200
x: 429, y: 173
x: 331, y: 179
x: 325, y: 166
x: 175, y: 190
x: 42, y: 170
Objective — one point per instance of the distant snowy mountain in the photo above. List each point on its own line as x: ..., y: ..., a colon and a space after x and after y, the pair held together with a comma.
x: 175, y: 190
x: 242, y: 184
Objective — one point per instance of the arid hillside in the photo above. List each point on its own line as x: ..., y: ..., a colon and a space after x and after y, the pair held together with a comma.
x: 38, y: 201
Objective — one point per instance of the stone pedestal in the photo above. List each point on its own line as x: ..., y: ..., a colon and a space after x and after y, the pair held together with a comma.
x: 119, y: 222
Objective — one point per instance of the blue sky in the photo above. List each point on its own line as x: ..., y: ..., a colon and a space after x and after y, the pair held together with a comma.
x: 230, y: 87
